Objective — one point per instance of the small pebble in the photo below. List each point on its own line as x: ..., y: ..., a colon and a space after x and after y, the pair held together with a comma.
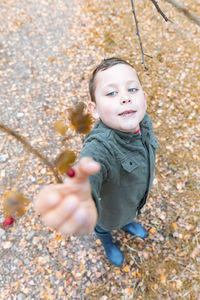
x: 6, y: 245
x: 26, y: 261
x: 20, y: 115
x: 2, y: 232
x: 4, y: 157
x: 40, y: 247
x: 3, y: 173
x: 30, y: 235
x: 21, y: 296
x: 33, y: 179
x: 35, y: 240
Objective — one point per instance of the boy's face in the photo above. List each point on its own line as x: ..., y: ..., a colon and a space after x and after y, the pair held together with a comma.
x: 120, y: 100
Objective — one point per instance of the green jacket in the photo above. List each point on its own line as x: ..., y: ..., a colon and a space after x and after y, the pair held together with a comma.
x: 121, y: 187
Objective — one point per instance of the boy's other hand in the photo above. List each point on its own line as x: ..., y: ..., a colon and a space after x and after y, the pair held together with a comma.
x: 69, y: 207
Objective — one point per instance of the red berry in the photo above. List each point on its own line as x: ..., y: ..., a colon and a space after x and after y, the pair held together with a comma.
x: 71, y: 172
x: 8, y: 221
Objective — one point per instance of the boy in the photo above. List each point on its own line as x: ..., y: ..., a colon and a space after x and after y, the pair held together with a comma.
x: 116, y: 165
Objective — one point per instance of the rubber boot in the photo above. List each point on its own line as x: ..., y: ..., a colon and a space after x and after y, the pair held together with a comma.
x: 136, y: 229
x: 113, y: 253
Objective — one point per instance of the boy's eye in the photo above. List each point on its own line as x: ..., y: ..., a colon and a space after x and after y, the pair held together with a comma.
x: 132, y: 90
x: 112, y: 93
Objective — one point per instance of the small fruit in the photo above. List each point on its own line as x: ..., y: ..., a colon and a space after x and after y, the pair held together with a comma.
x: 8, y: 221
x: 71, y: 172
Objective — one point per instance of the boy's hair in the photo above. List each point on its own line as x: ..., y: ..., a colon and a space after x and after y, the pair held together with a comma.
x: 104, y: 65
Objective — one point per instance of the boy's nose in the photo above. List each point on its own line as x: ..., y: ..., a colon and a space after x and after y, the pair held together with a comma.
x: 125, y: 99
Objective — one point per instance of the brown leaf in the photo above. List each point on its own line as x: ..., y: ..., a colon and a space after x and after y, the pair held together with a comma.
x: 126, y: 269
x: 80, y: 120
x: 14, y: 203
x: 153, y: 230
x: 60, y: 127
x: 65, y: 161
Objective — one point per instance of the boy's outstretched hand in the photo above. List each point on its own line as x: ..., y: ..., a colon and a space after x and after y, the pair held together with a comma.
x: 69, y: 207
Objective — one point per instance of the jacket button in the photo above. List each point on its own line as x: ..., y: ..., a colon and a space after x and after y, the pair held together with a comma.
x: 131, y: 163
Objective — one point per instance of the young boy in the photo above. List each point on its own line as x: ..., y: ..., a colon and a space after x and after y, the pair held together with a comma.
x: 116, y: 165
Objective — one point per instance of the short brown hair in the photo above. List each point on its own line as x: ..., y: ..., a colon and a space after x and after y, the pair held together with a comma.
x: 104, y: 65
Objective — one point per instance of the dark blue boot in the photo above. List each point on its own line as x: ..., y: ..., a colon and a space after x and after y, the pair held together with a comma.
x: 135, y: 229
x: 113, y: 253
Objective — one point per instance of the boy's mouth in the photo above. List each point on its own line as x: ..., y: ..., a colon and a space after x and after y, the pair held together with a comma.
x: 127, y: 112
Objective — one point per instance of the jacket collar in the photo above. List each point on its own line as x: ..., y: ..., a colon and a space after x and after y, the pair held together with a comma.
x: 127, y: 136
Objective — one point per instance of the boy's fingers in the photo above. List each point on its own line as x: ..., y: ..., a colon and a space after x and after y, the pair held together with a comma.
x: 61, y: 213
x: 86, y: 167
x: 48, y: 197
x: 51, y: 196
x: 76, y: 223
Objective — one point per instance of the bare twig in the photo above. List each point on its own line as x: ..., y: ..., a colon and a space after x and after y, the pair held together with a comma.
x: 132, y: 249
x: 159, y: 10
x: 31, y: 149
x: 138, y: 34
x: 185, y: 11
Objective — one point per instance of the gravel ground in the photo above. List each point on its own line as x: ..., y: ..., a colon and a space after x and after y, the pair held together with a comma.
x: 35, y: 262
x: 36, y: 78
x: 47, y: 51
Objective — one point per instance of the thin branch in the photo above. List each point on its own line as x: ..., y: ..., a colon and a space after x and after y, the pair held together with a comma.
x: 159, y: 10
x: 185, y: 11
x: 138, y: 34
x: 31, y: 149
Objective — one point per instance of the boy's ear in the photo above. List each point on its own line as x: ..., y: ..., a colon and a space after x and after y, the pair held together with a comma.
x: 93, y: 110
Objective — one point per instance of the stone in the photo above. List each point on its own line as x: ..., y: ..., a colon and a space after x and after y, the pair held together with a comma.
x: 20, y: 115
x: 30, y: 235
x: 4, y: 157
x: 2, y: 232
x: 6, y: 245
x: 21, y: 296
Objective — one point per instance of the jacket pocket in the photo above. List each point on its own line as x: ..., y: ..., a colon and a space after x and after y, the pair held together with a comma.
x: 130, y: 175
x: 134, y: 176
x: 129, y: 164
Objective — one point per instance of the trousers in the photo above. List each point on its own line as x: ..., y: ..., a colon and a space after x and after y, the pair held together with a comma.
x: 100, y: 230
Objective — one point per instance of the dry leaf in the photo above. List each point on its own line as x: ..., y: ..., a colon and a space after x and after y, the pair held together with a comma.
x: 65, y: 161
x: 60, y: 127
x: 126, y: 269
x: 80, y: 120
x: 14, y: 204
x: 162, y: 278
x: 87, y: 290
x: 131, y: 291
x: 58, y: 237
x: 139, y: 274
x: 153, y: 230
x: 174, y: 226
x: 98, y: 242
